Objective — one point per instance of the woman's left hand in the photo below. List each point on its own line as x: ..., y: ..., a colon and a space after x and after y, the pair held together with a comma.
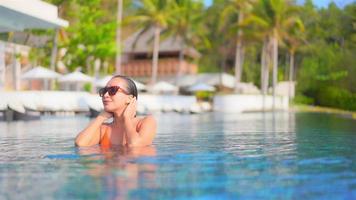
x: 130, y: 111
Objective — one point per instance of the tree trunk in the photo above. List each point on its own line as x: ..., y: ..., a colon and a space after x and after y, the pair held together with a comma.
x: 157, y: 33
x: 265, y: 62
x: 97, y: 66
x: 54, y: 56
x: 180, y: 64
x: 222, y: 68
x: 238, y: 54
x: 16, y: 73
x: 105, y: 67
x: 242, y: 59
x: 291, y: 73
x: 88, y: 64
x: 118, y: 38
x: 2, y: 65
x: 275, y: 66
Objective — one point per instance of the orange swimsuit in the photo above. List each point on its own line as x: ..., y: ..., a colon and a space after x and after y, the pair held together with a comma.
x: 105, y: 140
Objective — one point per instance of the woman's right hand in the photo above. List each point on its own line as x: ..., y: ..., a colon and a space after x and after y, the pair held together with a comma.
x: 106, y: 115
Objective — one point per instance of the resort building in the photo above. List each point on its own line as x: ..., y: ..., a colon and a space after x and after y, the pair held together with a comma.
x: 137, y: 57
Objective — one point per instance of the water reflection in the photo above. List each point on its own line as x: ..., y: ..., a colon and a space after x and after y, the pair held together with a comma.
x: 117, y: 170
x: 260, y: 134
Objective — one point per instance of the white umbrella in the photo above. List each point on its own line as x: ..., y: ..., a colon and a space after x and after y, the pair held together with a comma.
x: 40, y: 73
x: 76, y: 77
x: 140, y: 86
x: 163, y: 87
x: 201, y: 87
x: 103, y: 81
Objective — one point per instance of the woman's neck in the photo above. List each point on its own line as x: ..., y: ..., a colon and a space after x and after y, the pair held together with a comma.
x: 118, y: 117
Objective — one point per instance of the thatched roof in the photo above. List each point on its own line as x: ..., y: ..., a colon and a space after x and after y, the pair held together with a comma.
x: 143, y: 43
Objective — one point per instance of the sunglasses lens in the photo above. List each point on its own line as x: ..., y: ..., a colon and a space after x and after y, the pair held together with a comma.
x: 112, y: 90
x: 102, y: 92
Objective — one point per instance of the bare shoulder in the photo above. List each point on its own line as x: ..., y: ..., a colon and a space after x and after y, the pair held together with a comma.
x: 148, y: 121
x: 147, y: 130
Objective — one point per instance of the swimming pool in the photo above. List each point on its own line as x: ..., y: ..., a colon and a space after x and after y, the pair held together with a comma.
x: 209, y: 156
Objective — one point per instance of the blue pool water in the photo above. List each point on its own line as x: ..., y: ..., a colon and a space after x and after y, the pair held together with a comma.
x: 210, y: 156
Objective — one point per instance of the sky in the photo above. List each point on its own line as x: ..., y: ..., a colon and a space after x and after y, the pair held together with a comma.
x: 318, y: 3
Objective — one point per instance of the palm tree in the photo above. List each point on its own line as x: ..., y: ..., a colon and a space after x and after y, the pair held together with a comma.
x: 241, y: 8
x: 292, y: 41
x: 153, y: 14
x: 186, y: 25
x: 274, y: 17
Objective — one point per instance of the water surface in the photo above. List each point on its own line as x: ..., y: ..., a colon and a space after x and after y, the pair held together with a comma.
x: 208, y: 156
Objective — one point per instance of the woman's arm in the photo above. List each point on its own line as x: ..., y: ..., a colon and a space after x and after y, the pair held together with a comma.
x: 91, y: 134
x: 147, y: 130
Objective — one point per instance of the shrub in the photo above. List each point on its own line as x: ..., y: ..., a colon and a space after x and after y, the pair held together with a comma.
x: 336, y: 97
x: 303, y: 100
x: 204, y: 96
x: 87, y: 87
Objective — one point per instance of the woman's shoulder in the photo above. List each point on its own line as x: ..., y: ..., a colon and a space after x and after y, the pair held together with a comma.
x: 105, y: 126
x: 147, y: 119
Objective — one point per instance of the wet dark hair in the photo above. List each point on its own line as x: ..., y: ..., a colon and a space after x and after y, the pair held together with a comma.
x: 131, y: 86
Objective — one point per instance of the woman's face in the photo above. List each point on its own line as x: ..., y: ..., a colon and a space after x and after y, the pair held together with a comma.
x: 118, y: 100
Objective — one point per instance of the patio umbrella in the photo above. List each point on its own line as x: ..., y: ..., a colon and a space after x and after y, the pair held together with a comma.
x: 75, y: 77
x: 103, y: 81
x: 40, y: 72
x: 140, y: 86
x: 163, y: 87
x: 201, y: 87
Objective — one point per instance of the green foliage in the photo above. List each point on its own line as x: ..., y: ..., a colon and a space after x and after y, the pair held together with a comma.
x: 87, y: 87
x: 92, y: 35
x: 204, y: 96
x: 337, y: 97
x: 301, y: 99
x: 325, y: 65
x: 252, y: 67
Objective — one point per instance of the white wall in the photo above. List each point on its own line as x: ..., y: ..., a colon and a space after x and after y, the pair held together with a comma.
x: 243, y: 103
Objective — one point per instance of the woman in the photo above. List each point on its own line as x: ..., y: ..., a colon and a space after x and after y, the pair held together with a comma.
x: 119, y: 99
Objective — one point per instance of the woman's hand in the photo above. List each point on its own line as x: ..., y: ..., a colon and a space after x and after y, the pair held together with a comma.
x: 130, y: 111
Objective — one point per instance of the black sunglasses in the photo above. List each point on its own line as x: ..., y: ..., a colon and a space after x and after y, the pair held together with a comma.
x: 112, y: 90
